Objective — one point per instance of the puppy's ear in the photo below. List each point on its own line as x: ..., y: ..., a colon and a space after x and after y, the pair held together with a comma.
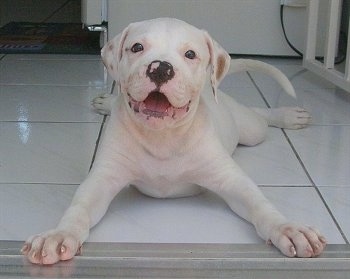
x: 112, y: 53
x: 219, y: 62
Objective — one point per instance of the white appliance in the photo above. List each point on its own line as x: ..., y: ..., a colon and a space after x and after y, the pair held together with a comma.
x: 240, y: 26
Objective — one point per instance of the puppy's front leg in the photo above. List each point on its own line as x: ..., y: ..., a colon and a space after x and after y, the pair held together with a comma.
x: 88, y: 206
x: 224, y: 177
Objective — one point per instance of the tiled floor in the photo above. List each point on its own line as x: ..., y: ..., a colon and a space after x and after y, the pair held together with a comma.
x: 48, y: 134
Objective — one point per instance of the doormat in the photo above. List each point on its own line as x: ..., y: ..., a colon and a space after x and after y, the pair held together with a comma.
x: 48, y: 38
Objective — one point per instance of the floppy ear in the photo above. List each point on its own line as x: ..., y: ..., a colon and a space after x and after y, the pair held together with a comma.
x: 112, y: 53
x: 219, y: 62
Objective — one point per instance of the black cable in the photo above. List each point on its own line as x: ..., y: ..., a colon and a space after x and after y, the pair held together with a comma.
x: 338, y: 59
x: 55, y: 11
x: 285, y: 35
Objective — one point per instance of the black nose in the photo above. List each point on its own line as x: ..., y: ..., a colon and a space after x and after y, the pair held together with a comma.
x: 160, y: 72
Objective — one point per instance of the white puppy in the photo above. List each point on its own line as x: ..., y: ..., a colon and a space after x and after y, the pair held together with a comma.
x: 169, y: 137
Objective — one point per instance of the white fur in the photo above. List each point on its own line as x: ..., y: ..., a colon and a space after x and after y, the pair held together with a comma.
x: 180, y: 155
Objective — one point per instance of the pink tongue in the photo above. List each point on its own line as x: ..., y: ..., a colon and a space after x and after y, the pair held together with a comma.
x: 157, y: 102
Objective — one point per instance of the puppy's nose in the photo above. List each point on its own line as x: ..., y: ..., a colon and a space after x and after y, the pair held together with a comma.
x: 160, y: 72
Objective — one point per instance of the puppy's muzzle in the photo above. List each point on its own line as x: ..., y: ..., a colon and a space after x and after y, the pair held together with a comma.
x: 160, y: 72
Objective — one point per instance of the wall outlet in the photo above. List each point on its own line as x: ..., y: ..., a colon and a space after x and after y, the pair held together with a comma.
x: 294, y: 3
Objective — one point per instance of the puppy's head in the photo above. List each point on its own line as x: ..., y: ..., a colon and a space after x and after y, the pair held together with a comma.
x: 161, y: 67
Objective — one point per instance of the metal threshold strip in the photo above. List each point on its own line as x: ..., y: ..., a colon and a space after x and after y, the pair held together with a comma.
x: 140, y: 260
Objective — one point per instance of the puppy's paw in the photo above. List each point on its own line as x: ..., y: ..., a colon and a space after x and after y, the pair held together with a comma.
x: 103, y: 104
x: 290, y: 117
x: 51, y: 247
x: 298, y: 241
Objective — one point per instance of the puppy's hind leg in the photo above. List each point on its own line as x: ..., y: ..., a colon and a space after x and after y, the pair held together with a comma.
x: 103, y: 104
x: 286, y: 117
x: 252, y: 127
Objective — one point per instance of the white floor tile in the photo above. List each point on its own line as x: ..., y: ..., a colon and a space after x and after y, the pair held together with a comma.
x: 58, y: 88
x: 303, y: 205
x: 67, y: 71
x: 297, y: 74
x: 28, y: 209
x: 327, y: 106
x: 338, y: 199
x: 278, y: 62
x: 247, y: 95
x: 272, y: 162
x: 236, y: 80
x: 326, y: 103
x: 133, y: 217
x: 48, y: 103
x: 325, y: 151
x: 46, y: 152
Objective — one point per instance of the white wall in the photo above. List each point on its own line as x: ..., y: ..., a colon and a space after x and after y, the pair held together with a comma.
x: 240, y: 26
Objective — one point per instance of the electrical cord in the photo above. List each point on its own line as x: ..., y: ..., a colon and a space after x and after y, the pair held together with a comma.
x: 285, y: 35
x: 338, y: 59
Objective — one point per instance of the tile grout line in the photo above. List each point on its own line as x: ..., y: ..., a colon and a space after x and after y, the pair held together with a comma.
x: 284, y: 133
x: 100, y: 132
x: 259, y: 91
x: 313, y: 184
x: 304, y: 167
x: 316, y: 188
x: 97, y: 142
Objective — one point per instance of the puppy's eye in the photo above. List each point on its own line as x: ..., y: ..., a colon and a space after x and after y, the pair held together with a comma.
x: 137, y: 48
x: 190, y: 54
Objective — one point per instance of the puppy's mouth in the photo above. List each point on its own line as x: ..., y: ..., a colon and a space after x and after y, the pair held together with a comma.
x: 157, y: 105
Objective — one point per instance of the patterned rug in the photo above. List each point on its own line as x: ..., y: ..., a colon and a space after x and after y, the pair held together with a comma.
x: 55, y: 38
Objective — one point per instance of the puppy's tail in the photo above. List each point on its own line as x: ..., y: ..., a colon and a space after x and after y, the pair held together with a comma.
x: 242, y: 65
